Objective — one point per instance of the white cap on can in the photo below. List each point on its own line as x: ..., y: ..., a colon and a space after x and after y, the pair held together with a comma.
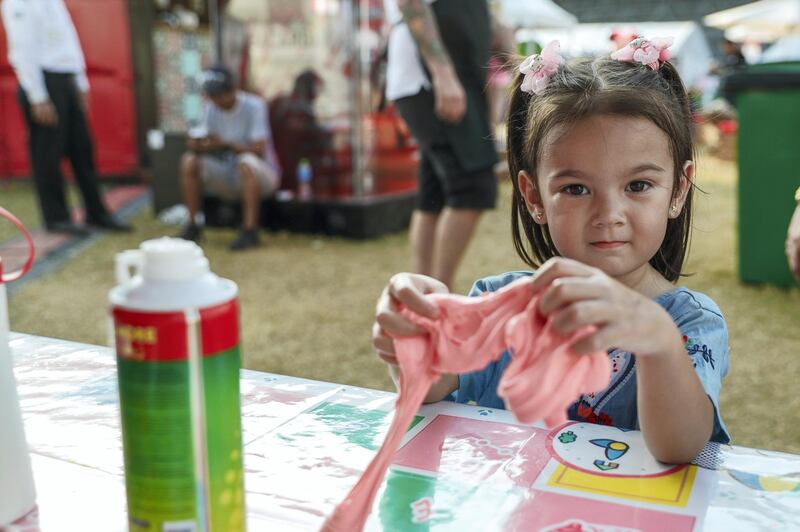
x: 167, y: 274
x: 172, y: 259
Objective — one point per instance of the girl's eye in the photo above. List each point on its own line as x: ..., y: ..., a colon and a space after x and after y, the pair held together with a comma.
x: 639, y: 186
x: 575, y: 190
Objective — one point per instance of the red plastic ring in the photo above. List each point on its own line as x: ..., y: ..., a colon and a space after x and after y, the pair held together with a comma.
x: 5, y: 278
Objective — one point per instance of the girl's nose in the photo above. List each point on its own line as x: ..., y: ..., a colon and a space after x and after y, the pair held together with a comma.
x: 607, y: 211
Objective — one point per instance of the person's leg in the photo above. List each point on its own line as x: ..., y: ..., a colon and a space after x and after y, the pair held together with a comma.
x: 454, y: 230
x: 422, y: 236
x: 46, y: 146
x: 251, y: 196
x: 191, y: 187
x: 190, y: 184
x: 468, y: 195
x: 417, y: 112
x: 80, y: 150
x: 422, y: 233
x: 256, y: 181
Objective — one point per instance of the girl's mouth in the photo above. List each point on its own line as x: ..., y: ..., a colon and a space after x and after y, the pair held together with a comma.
x: 608, y: 244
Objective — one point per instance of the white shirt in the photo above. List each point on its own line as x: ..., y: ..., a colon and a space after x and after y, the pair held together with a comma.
x: 405, y: 75
x: 41, y: 36
x: 247, y: 121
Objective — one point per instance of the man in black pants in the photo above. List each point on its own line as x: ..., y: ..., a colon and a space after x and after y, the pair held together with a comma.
x: 44, y: 50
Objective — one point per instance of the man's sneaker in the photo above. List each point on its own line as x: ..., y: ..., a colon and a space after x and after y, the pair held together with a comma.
x: 246, y: 239
x: 191, y: 232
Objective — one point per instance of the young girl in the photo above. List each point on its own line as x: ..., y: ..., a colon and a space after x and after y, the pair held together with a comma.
x: 601, y: 158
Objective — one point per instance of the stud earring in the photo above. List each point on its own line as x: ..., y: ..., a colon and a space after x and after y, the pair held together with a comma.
x: 674, y: 210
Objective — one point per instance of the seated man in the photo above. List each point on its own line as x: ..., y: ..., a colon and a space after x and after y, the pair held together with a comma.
x: 230, y: 154
x: 298, y: 134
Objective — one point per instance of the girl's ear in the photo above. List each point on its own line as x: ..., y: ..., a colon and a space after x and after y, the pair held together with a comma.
x: 527, y: 187
x: 684, y: 184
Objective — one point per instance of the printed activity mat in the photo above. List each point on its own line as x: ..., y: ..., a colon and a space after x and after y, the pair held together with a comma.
x: 470, y: 468
x: 459, y: 468
x: 479, y: 466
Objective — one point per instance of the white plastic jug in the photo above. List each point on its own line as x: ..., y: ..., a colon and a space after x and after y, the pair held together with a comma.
x: 17, y: 493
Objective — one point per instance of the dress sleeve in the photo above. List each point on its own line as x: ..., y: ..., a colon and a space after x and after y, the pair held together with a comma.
x: 705, y: 336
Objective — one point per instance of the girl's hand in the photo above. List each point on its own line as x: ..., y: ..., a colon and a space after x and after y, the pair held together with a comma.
x: 404, y: 289
x: 576, y: 295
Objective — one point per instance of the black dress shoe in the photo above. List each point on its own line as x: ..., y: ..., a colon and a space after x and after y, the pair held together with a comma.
x: 108, y: 222
x: 68, y: 228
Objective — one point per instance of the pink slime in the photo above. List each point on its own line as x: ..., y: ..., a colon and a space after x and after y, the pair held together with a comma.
x: 543, y: 378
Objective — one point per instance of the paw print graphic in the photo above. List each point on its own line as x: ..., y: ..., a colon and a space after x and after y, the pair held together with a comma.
x: 567, y: 437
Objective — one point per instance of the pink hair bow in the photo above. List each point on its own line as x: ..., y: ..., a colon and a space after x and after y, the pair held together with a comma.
x: 649, y: 52
x: 539, y: 68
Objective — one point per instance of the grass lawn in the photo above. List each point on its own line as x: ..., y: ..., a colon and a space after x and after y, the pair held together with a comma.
x: 308, y: 301
x: 19, y: 198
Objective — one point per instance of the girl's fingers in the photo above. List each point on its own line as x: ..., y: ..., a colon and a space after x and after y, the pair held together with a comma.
x: 394, y: 324
x: 389, y: 319
x: 384, y: 346
x: 571, y: 318
x: 406, y: 290
x: 558, y: 267
x: 565, y: 290
x: 380, y: 341
x: 410, y: 291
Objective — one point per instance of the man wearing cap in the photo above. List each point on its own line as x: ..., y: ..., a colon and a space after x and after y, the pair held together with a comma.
x: 230, y: 155
x: 44, y: 50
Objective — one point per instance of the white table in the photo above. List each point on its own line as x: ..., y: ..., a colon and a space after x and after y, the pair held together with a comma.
x: 460, y: 467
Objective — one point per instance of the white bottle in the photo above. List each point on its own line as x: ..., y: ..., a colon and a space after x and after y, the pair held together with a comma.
x: 17, y: 493
x: 176, y: 331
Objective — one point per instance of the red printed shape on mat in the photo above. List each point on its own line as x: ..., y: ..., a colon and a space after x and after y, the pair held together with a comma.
x: 548, y: 511
x: 478, y: 450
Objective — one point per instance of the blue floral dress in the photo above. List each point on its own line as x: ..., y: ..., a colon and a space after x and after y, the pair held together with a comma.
x: 705, y: 336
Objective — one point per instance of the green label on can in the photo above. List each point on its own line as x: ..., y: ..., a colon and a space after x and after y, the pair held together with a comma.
x: 165, y: 487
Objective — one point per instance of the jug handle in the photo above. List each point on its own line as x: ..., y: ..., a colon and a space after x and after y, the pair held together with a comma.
x: 125, y: 261
x: 31, y: 248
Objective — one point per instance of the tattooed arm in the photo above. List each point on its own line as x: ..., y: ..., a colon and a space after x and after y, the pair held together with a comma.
x: 451, y: 101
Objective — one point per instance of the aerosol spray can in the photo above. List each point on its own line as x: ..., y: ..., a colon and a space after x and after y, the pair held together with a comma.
x: 176, y: 331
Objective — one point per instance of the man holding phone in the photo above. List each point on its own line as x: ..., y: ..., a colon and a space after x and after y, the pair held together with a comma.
x: 230, y: 155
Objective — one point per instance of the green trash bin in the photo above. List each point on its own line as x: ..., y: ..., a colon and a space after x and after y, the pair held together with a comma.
x: 767, y: 99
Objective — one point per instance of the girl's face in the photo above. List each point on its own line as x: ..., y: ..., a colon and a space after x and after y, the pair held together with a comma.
x: 605, y: 190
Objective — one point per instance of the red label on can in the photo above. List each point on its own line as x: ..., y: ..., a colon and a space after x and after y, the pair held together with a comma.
x: 141, y: 335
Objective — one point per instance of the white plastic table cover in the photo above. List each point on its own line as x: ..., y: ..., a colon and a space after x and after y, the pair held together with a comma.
x: 459, y: 467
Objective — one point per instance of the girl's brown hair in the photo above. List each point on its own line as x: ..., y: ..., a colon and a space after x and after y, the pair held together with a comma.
x: 586, y: 87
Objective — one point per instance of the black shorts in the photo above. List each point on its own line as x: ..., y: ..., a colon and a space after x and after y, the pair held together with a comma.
x: 443, y: 181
